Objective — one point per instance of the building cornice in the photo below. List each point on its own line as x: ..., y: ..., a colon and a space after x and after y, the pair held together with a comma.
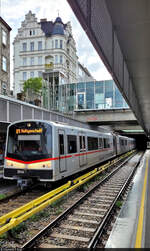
x: 5, y: 24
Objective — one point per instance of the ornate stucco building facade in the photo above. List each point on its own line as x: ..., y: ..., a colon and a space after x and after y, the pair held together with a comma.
x: 46, y: 49
x: 4, y: 57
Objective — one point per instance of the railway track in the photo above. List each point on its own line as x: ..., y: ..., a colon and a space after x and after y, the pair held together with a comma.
x: 82, y: 224
x: 19, y: 198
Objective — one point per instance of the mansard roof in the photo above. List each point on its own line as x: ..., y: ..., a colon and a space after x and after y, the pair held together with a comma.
x: 58, y: 20
x: 53, y: 28
x: 47, y: 28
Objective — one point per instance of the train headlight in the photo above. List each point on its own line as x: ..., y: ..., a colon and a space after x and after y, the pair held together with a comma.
x: 10, y: 163
x: 40, y: 165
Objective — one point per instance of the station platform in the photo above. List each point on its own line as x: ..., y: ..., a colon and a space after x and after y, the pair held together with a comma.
x: 131, y: 229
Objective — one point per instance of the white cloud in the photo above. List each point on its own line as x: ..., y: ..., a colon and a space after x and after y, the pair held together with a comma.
x: 13, y: 12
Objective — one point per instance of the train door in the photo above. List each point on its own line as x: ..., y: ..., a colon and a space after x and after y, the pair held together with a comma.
x: 82, y: 148
x: 115, y: 145
x: 62, y: 151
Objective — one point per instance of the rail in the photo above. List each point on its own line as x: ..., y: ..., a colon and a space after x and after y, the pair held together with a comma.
x: 21, y: 214
x: 56, y: 223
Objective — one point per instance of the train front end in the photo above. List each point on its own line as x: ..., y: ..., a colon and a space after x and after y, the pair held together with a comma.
x: 28, y: 152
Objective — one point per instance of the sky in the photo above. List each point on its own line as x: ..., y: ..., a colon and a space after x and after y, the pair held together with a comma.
x: 14, y: 11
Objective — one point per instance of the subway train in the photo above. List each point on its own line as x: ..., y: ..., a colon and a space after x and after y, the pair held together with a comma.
x: 50, y: 151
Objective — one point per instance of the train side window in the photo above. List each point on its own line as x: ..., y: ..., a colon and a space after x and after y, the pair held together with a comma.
x: 84, y: 142
x: 121, y: 142
x: 106, y: 143
x: 100, y: 143
x: 72, y: 143
x: 80, y: 142
x: 92, y: 143
x: 61, y: 144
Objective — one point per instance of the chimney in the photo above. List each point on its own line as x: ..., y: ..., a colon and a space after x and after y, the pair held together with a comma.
x: 43, y: 20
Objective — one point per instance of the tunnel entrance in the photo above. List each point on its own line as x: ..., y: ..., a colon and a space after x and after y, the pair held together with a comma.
x: 141, y: 140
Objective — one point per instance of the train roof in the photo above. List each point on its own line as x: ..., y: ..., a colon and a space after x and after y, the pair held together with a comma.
x: 61, y: 124
x: 125, y: 137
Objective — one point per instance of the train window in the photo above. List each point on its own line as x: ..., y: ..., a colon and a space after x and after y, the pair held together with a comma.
x: 121, y: 142
x: 92, y: 143
x: 31, y: 143
x: 100, y: 143
x: 82, y: 142
x: 72, y: 143
x: 106, y: 143
x: 61, y: 144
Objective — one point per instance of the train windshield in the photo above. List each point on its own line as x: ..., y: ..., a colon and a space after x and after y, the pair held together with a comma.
x: 29, y: 141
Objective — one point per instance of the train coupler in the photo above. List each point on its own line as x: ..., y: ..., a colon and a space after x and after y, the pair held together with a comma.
x: 24, y: 183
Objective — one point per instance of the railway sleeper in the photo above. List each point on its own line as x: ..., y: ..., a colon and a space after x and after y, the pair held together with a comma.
x: 88, y: 214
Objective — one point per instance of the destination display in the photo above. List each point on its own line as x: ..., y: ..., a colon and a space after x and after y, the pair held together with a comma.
x: 28, y: 131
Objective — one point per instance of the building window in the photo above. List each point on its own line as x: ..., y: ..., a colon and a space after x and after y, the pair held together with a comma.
x: 39, y: 45
x: 61, y: 44
x: 61, y: 59
x: 4, y: 37
x: 4, y: 89
x: 56, y: 44
x: 24, y: 61
x: 32, y: 74
x: 56, y: 59
x: 52, y: 44
x: 39, y: 74
x: 4, y: 63
x: 40, y: 60
x: 24, y: 76
x: 32, y: 46
x: 32, y: 61
x: 32, y: 32
x: 24, y: 46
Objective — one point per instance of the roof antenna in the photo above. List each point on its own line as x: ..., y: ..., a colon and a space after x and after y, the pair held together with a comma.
x: 58, y: 13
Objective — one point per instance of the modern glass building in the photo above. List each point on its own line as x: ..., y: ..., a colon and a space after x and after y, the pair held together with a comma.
x: 86, y: 96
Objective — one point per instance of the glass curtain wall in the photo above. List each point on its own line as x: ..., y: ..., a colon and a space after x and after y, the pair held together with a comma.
x: 87, y: 96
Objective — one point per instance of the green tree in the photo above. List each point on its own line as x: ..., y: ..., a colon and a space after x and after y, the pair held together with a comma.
x: 33, y: 85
